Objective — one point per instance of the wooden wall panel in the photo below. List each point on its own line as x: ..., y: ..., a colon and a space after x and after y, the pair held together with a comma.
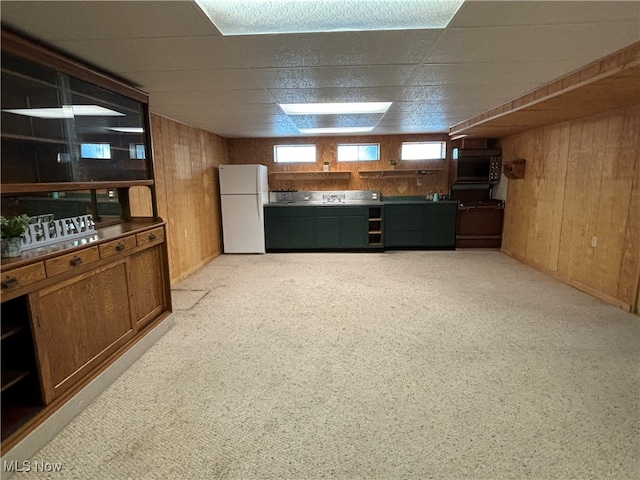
x: 260, y: 150
x: 186, y: 161
x: 582, y: 180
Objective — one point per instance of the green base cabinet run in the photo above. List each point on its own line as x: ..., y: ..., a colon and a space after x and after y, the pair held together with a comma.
x: 420, y: 225
x: 316, y: 228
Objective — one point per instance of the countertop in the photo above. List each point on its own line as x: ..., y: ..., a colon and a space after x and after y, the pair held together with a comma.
x: 407, y: 200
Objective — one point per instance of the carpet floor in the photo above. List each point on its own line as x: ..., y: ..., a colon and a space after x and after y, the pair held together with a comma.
x: 398, y: 365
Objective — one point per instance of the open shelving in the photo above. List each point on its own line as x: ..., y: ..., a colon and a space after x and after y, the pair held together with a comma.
x: 310, y: 175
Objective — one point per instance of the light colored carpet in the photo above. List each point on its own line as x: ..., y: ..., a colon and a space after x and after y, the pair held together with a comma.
x: 398, y: 365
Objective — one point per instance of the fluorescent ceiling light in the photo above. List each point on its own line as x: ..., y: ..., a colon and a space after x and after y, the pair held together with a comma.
x: 256, y: 17
x: 334, y: 108
x: 126, y: 129
x: 66, y: 111
x: 336, y: 130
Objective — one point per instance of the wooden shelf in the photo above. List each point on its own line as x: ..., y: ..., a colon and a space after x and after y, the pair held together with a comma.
x: 11, y: 377
x: 310, y: 175
x: 70, y: 186
x: 398, y: 173
x: 10, y: 330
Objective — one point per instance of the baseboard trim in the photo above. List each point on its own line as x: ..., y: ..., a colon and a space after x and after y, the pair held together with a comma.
x: 49, y: 428
x: 571, y: 282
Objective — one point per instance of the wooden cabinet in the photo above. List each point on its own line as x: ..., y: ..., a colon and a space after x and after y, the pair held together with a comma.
x: 70, y: 307
x: 78, y: 323
x: 148, y: 292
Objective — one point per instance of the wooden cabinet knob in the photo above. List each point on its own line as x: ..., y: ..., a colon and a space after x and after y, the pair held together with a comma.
x: 9, y: 282
x: 75, y: 261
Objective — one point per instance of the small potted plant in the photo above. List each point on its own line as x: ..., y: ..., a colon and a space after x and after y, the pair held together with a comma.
x: 13, y: 229
x: 393, y: 163
x: 325, y: 166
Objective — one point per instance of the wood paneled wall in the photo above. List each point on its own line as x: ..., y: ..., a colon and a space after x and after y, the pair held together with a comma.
x: 582, y: 181
x: 186, y: 161
x: 260, y: 150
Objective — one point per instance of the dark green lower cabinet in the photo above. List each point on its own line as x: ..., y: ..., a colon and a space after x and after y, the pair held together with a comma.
x: 403, y: 225
x: 441, y: 221
x: 420, y: 225
x: 307, y: 228
x: 289, y: 228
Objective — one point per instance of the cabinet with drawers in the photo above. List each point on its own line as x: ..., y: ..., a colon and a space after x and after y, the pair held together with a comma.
x: 71, y: 308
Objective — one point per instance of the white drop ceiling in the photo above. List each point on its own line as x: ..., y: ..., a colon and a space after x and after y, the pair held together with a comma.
x: 490, y: 53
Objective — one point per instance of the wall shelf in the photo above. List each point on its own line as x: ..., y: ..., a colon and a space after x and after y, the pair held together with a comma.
x: 398, y: 173
x: 310, y: 175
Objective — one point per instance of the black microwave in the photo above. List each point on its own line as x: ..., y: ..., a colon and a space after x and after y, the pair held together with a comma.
x: 477, y: 165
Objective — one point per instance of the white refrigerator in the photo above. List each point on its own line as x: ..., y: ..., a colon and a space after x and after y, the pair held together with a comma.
x: 244, y: 189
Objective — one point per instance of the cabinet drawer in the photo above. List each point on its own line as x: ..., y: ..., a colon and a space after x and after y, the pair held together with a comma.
x: 22, y: 276
x: 70, y: 261
x: 152, y: 236
x: 117, y: 246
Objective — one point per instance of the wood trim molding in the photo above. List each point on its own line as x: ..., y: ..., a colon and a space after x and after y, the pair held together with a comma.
x: 607, y: 84
x: 569, y: 281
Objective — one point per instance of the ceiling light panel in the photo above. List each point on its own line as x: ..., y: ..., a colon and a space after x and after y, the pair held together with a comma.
x: 324, y: 121
x: 334, y: 108
x: 335, y: 130
x: 259, y: 17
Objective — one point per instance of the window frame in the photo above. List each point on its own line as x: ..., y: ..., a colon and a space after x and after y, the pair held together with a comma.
x: 443, y: 150
x: 288, y: 145
x: 359, y: 144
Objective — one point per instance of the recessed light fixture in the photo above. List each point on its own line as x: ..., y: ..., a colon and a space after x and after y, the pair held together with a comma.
x: 334, y: 108
x: 336, y: 130
x: 259, y: 17
x: 126, y: 129
x: 66, y: 111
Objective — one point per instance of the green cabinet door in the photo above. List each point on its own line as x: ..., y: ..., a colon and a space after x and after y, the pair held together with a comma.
x: 289, y: 228
x: 354, y: 231
x: 440, y: 223
x: 342, y: 227
x: 328, y: 230
x: 277, y: 231
x: 404, y: 225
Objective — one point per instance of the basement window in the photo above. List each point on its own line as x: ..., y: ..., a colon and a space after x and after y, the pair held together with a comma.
x: 294, y: 153
x: 358, y: 152
x: 423, y: 150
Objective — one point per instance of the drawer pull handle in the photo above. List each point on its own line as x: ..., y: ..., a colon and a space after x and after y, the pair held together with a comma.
x: 75, y: 261
x: 152, y: 236
x: 9, y: 282
x: 120, y: 247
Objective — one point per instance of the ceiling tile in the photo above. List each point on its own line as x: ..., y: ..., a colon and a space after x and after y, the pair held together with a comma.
x: 497, y: 92
x: 89, y: 20
x: 319, y: 77
x: 546, y: 43
x: 326, y: 121
x: 490, y: 73
x: 500, y: 13
x: 157, y: 54
x: 194, y: 80
x: 334, y: 94
x: 210, y: 97
x: 337, y: 48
